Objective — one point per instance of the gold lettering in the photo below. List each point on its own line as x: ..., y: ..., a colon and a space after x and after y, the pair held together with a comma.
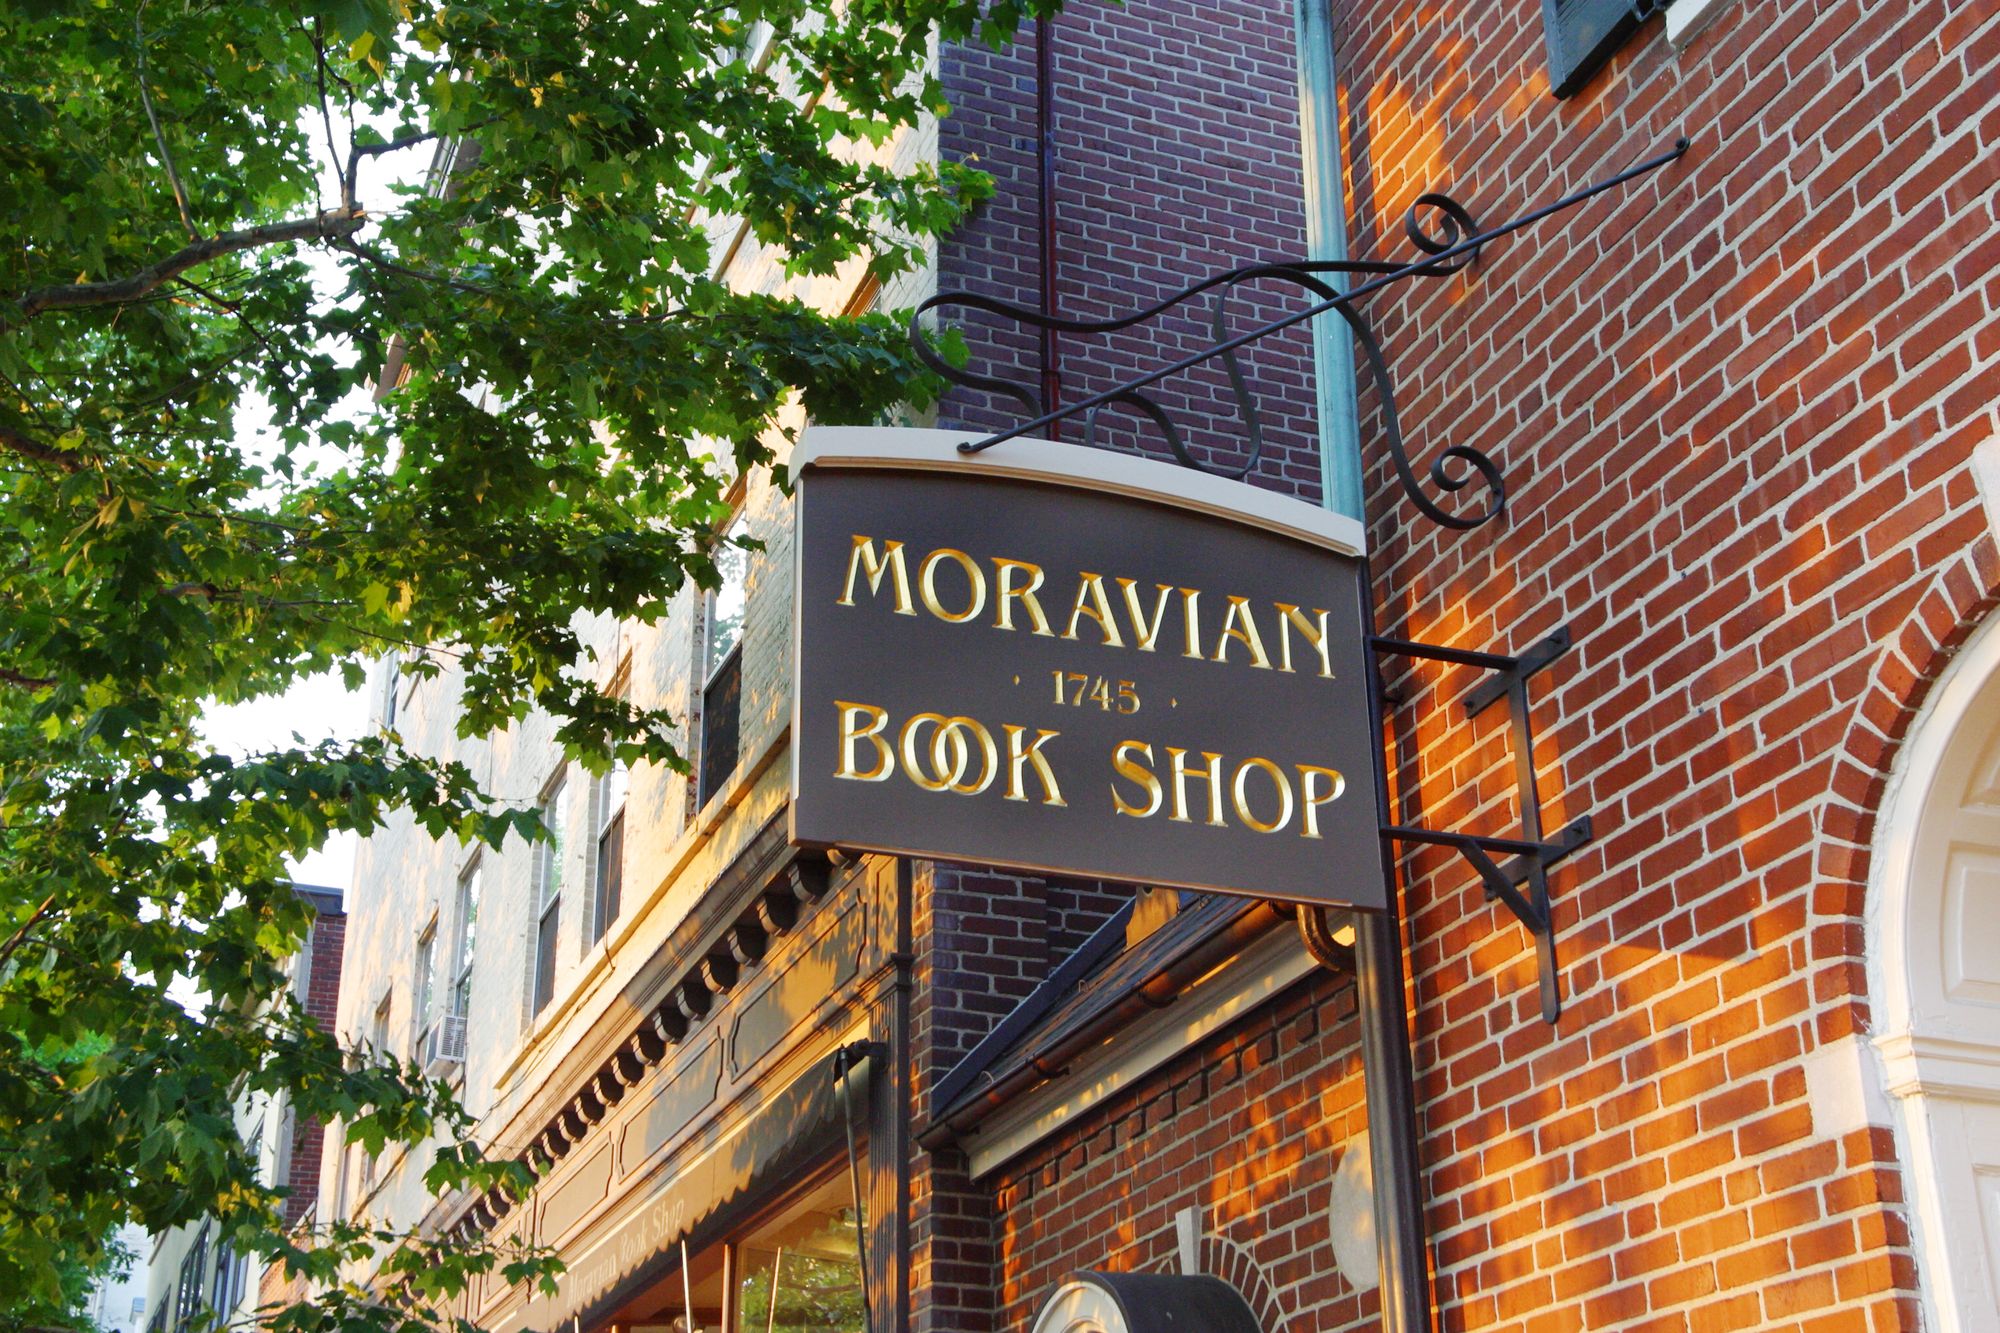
x: 1242, y: 802
x: 1020, y: 756
x: 1090, y: 589
x: 927, y: 583
x: 1003, y: 605
x: 1143, y: 634
x: 1189, y: 596
x: 1140, y: 776
x: 878, y: 719
x: 989, y: 757
x: 1211, y: 774
x: 1289, y: 616
x: 1239, y: 616
x: 1335, y: 785
x: 950, y: 753
x: 864, y: 560
x: 911, y: 769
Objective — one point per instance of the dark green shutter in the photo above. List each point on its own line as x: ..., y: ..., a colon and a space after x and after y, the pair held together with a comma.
x: 1583, y: 34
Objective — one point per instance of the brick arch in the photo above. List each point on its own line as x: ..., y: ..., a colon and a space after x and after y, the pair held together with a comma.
x: 1942, y: 618
x: 1233, y: 1264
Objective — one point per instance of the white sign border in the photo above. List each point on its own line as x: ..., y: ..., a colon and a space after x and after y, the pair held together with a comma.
x: 910, y: 448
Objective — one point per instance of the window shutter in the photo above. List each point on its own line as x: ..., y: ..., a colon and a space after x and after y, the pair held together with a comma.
x: 1583, y: 34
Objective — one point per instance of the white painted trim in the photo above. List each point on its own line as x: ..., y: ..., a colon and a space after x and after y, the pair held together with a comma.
x: 1686, y: 19
x: 1904, y: 798
x: 1239, y: 987
x: 1986, y: 475
x: 1934, y: 1079
x: 1098, y: 470
x: 1927, y: 1066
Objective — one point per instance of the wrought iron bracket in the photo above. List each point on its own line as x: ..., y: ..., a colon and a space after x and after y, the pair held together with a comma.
x: 1446, y: 237
x: 1521, y: 880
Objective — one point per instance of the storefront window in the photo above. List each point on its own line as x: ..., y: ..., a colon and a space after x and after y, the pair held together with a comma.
x: 802, y: 1270
x: 796, y: 1268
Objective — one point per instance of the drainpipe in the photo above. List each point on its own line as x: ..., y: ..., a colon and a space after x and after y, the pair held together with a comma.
x: 1326, y: 238
x: 1045, y: 198
x: 1388, y: 1081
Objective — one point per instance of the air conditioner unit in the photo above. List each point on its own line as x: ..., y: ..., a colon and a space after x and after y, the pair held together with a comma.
x: 444, y: 1045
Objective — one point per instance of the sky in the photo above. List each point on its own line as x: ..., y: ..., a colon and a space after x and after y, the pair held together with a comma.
x: 320, y: 708
x: 316, y: 709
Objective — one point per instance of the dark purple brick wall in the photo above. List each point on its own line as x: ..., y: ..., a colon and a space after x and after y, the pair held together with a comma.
x: 1176, y: 128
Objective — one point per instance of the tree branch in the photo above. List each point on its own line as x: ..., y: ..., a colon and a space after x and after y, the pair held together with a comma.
x: 28, y: 447
x: 152, y: 116
x: 27, y: 682
x: 383, y: 262
x: 334, y: 224
x: 326, y: 113
x: 212, y: 594
x: 7, y: 950
x: 360, y: 150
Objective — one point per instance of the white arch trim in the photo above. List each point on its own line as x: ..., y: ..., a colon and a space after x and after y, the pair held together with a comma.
x: 1925, y: 1048
x: 1932, y: 985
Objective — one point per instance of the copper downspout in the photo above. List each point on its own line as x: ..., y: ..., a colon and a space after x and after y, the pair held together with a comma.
x: 1045, y: 171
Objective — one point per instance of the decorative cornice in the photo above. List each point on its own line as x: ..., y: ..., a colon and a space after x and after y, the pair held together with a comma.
x: 721, y: 959
x: 1916, y: 1064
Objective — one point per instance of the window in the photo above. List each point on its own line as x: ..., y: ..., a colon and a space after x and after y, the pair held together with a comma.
x: 378, y: 1041
x: 467, y: 919
x: 722, y: 664
x: 420, y: 1012
x: 281, y: 1158
x: 227, y: 1282
x: 801, y: 1271
x: 1584, y: 34
x: 253, y: 1148
x: 187, y: 1291
x: 609, y: 804
x: 548, y: 894
x: 378, y: 1031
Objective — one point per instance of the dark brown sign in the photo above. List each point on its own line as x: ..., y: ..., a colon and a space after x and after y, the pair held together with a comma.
x: 1070, y: 680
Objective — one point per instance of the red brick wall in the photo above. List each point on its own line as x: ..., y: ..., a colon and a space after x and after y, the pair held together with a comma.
x: 1248, y: 1129
x: 322, y: 999
x: 1736, y: 404
x: 329, y: 939
x: 980, y: 945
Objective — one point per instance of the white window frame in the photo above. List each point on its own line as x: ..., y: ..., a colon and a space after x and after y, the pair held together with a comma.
x: 608, y: 799
x: 424, y: 987
x: 550, y: 873
x: 465, y: 935
x: 710, y: 664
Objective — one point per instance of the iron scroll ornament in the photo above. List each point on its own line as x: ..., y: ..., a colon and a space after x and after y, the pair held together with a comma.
x: 1455, y: 244
x: 1455, y: 225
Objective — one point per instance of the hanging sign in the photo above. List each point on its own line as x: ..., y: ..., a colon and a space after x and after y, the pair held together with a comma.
x: 1066, y: 660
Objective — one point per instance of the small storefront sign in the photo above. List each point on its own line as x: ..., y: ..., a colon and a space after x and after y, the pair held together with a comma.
x: 1064, y: 660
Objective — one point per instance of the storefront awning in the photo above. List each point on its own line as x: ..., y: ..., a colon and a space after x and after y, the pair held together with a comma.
x: 694, y: 1202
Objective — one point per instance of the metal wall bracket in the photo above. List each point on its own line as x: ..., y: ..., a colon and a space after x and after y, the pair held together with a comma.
x: 1521, y: 880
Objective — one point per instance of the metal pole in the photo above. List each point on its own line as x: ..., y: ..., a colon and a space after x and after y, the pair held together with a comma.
x: 1388, y: 1082
x: 1045, y: 203
x: 1326, y: 238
